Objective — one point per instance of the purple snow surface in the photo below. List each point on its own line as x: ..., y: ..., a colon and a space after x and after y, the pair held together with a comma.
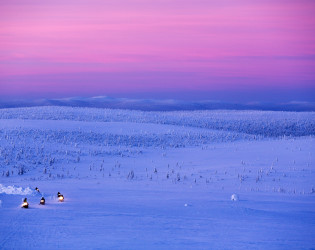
x: 154, y: 180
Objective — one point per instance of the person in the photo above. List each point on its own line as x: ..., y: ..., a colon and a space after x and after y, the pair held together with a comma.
x: 42, y: 201
x: 60, y: 196
x: 25, y: 203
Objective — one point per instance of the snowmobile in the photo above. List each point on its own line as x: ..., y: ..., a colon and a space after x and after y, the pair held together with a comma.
x: 60, y: 196
x: 25, y: 203
x: 42, y: 201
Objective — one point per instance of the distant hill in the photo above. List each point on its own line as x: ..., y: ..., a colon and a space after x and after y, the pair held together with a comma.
x: 157, y: 104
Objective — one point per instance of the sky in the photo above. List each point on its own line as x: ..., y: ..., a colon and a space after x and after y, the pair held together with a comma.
x: 248, y: 50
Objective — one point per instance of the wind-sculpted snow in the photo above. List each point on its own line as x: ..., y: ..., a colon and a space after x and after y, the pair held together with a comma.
x: 15, y: 190
x: 265, y: 123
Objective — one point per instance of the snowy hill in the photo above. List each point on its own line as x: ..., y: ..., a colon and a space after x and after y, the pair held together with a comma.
x: 158, y: 104
x: 157, y: 180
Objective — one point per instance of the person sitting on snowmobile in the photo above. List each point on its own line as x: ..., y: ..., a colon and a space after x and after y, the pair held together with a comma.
x: 60, y: 196
x: 42, y: 201
x: 25, y: 203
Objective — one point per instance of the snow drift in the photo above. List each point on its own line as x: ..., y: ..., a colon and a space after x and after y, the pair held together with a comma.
x: 15, y: 190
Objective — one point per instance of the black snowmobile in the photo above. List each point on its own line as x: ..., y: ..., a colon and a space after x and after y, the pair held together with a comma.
x: 42, y: 201
x: 60, y: 196
x: 25, y: 203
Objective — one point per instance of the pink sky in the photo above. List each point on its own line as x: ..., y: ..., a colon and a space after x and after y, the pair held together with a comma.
x: 93, y: 47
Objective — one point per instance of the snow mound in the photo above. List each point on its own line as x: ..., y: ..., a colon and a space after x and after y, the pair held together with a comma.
x: 234, y: 197
x: 15, y: 190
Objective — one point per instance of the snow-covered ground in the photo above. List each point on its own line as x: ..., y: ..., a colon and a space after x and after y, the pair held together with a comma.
x: 157, y: 180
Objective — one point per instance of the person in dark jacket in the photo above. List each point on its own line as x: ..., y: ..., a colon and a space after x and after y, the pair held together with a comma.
x: 25, y: 203
x: 42, y: 201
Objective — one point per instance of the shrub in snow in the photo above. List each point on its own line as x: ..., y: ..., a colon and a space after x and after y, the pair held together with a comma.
x: 131, y: 175
x: 21, y: 171
x: 234, y: 197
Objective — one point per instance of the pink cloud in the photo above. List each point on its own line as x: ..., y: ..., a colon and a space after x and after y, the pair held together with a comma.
x: 269, y: 40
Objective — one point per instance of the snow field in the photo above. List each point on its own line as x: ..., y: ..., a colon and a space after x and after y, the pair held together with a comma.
x: 157, y: 180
